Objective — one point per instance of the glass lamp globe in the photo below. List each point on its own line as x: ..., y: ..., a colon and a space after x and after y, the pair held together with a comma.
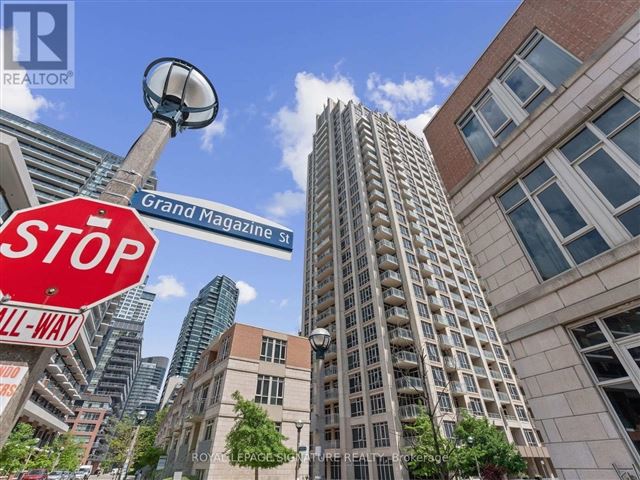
x: 320, y: 339
x: 179, y: 92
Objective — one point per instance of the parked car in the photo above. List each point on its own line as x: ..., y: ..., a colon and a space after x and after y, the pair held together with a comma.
x: 37, y: 474
x: 83, y: 472
x: 61, y: 475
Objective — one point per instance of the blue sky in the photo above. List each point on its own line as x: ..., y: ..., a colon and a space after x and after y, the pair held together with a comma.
x: 273, y: 65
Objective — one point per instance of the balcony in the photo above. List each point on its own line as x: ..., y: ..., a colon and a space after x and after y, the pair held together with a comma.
x: 457, y: 388
x: 446, y: 341
x: 426, y: 270
x: 435, y: 304
x: 466, y: 331
x: 324, y: 258
x: 473, y: 351
x: 370, y: 165
x: 409, y: 384
x: 415, y: 227
x: 388, y: 262
x: 378, y: 207
x: 385, y: 246
x: 422, y: 254
x: 503, y: 397
x: 324, y: 271
x: 391, y: 279
x: 397, y: 315
x: 376, y: 195
x: 325, y: 301
x: 332, y: 419
x: 482, y: 337
x: 393, y: 296
x: 475, y: 319
x: 380, y: 219
x: 332, y: 352
x: 324, y: 286
x: 495, y: 374
x: 441, y: 322
x: 383, y: 233
x: 331, y: 394
x: 330, y: 372
x: 489, y: 356
x: 450, y: 363
x: 326, y: 317
x: 409, y: 413
x: 400, y: 336
x: 374, y: 184
x: 487, y: 394
x: 480, y: 371
x: 404, y: 359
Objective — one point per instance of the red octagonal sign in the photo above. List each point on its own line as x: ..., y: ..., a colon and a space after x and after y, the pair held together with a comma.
x: 73, y: 254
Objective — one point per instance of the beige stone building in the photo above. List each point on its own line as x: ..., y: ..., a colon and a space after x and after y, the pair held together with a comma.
x: 271, y: 368
x: 539, y: 149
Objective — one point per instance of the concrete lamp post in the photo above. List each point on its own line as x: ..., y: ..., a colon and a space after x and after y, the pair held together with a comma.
x: 299, y: 425
x: 320, y: 339
x: 140, y: 416
x: 179, y: 96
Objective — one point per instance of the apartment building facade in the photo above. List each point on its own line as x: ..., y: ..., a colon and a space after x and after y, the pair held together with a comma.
x: 539, y: 150
x: 386, y: 272
x: 271, y: 368
x: 147, y: 385
x: 90, y: 426
x: 212, y: 312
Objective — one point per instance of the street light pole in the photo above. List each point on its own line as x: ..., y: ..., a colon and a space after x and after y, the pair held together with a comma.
x: 140, y: 416
x: 299, y: 425
x: 320, y: 339
x: 475, y: 457
x: 179, y: 96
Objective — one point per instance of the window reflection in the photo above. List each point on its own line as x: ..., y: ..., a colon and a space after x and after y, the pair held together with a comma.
x: 624, y: 324
x: 605, y: 364
x: 625, y: 401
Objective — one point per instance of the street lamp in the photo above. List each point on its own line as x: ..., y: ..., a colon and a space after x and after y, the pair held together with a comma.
x: 320, y: 339
x: 299, y: 425
x: 470, y: 440
x: 140, y: 416
x: 179, y: 96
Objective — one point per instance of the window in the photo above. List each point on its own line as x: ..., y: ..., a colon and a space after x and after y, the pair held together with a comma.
x: 513, y: 391
x: 372, y: 354
x: 270, y: 390
x: 357, y: 407
x: 367, y: 312
x: 463, y: 360
x: 504, y: 368
x: 521, y: 412
x: 444, y: 402
x: 359, y: 436
x: 355, y: 383
x: 216, y: 393
x: 449, y: 428
x: 377, y: 403
x: 534, y: 72
x: 385, y: 468
x: 432, y: 352
x: 531, y: 437
x: 360, y: 469
x: 369, y: 332
x: 208, y: 429
x: 469, y: 383
x: 353, y: 360
x: 374, y: 377
x: 381, y: 434
x: 552, y: 229
x: 352, y: 339
x: 439, y: 377
x: 273, y: 350
x: 335, y: 468
x: 427, y: 330
x: 475, y: 404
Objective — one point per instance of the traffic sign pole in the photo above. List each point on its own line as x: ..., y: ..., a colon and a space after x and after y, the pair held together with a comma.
x: 131, y: 176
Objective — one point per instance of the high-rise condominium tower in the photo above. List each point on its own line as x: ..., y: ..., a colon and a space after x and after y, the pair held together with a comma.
x: 387, y: 274
x: 210, y: 314
x: 145, y: 392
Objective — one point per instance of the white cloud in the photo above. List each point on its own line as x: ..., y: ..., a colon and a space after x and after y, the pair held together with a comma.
x: 417, y: 123
x: 18, y: 99
x: 295, y: 126
x: 399, y: 98
x: 283, y: 303
x: 247, y: 293
x: 285, y: 204
x: 216, y: 129
x: 448, y: 80
x: 167, y: 287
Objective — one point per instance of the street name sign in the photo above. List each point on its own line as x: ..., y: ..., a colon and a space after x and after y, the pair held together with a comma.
x: 213, y: 222
x: 46, y: 328
x: 71, y: 255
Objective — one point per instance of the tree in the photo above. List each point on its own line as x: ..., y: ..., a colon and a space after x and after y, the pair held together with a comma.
x: 146, y: 454
x: 17, y: 449
x: 119, y: 442
x: 254, y: 441
x: 486, y: 447
x: 67, y: 453
x: 431, y: 451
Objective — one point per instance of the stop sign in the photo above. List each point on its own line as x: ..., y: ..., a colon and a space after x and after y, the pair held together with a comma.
x: 73, y: 254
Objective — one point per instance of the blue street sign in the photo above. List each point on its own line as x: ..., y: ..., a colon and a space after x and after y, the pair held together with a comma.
x: 213, y: 222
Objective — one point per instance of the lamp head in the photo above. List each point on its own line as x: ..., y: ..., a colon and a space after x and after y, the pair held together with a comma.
x: 320, y: 339
x: 180, y: 93
x: 141, y: 415
x: 299, y: 424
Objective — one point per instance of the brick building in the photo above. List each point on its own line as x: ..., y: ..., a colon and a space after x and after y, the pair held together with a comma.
x: 271, y: 368
x: 539, y: 149
x: 89, y: 427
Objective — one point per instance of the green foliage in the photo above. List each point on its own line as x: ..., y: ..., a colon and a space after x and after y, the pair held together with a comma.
x: 146, y: 454
x: 483, y: 442
x: 67, y: 453
x: 429, y: 455
x: 14, y: 454
x: 119, y: 442
x: 253, y: 441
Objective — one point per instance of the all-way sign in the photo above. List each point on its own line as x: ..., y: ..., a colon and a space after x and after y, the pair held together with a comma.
x: 29, y: 326
x: 213, y: 222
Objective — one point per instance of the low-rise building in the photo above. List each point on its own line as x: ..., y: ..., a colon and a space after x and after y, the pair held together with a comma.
x: 269, y: 367
x: 539, y: 150
x: 89, y: 427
